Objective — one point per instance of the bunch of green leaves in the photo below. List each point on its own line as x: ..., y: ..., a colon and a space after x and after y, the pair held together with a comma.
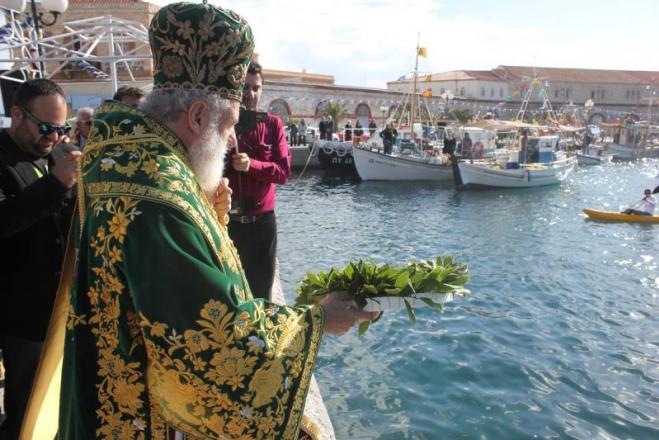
x: 365, y: 280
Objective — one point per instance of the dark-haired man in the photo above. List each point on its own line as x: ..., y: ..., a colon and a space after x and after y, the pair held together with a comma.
x: 35, y: 211
x: 129, y: 95
x: 261, y: 161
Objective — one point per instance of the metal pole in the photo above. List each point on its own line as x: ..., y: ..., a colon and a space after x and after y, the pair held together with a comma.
x: 113, y: 64
x: 37, y: 36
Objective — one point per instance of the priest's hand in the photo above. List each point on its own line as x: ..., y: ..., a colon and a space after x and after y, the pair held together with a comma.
x: 222, y: 203
x: 341, y: 313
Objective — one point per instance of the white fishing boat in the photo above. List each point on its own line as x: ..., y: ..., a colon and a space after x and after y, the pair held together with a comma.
x: 414, y: 157
x: 594, y: 155
x: 585, y: 159
x: 488, y: 174
x: 372, y: 164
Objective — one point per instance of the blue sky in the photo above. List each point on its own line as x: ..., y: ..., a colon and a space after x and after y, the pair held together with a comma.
x: 370, y: 42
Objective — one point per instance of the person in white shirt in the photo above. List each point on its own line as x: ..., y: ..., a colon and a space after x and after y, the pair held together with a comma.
x: 646, y: 206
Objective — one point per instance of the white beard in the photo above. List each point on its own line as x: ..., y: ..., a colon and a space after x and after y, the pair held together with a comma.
x: 207, y: 159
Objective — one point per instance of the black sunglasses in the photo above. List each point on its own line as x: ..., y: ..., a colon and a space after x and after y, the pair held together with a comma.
x: 46, y: 128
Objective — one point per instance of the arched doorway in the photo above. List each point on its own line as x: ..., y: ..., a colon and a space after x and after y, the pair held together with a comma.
x: 363, y: 114
x: 280, y: 108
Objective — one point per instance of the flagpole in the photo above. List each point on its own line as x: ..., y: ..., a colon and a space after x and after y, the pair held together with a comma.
x: 413, y: 101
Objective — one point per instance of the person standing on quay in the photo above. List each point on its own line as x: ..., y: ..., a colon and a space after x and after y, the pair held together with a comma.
x: 322, y: 127
x: 35, y: 212
x: 261, y: 161
x: 161, y: 333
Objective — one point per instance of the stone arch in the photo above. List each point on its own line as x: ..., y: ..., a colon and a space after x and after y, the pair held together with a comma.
x: 320, y: 107
x: 280, y: 108
x: 363, y: 113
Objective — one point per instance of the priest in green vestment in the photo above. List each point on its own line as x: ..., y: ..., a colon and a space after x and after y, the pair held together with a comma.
x: 162, y: 332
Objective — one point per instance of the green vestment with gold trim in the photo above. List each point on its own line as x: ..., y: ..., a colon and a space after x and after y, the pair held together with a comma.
x: 162, y: 331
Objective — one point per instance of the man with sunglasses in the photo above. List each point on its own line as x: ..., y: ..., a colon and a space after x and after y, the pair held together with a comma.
x: 35, y: 212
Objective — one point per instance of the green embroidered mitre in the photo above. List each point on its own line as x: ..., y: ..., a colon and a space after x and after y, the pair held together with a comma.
x: 200, y: 47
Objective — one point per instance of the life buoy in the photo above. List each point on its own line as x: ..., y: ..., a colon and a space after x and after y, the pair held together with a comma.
x: 478, y: 149
x: 327, y: 149
x: 340, y: 151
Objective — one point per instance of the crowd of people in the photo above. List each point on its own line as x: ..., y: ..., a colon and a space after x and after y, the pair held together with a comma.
x: 166, y: 275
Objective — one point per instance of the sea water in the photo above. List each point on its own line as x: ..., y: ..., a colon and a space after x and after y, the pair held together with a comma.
x: 559, y: 337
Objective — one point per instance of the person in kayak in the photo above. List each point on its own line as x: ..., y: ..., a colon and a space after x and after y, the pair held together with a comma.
x: 646, y: 206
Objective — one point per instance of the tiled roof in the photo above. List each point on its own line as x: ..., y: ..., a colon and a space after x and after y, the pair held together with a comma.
x: 483, y: 75
x: 512, y: 73
x: 456, y: 75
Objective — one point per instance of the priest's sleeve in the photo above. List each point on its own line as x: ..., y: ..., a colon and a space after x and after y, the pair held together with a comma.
x: 219, y: 364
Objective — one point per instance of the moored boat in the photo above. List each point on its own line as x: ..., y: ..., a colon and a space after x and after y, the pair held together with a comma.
x: 487, y: 174
x: 591, y: 159
x: 335, y: 157
x: 375, y: 165
x: 619, y: 217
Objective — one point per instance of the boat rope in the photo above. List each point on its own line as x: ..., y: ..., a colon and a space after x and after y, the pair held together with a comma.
x: 312, y: 153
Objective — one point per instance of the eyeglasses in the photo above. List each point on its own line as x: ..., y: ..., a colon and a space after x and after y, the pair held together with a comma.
x: 88, y: 123
x: 46, y: 128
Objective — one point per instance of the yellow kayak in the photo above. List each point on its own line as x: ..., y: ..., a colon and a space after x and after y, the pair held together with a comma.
x: 618, y: 217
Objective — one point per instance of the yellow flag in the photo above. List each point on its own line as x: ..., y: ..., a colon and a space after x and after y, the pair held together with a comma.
x: 423, y: 52
x: 427, y: 93
x: 428, y: 78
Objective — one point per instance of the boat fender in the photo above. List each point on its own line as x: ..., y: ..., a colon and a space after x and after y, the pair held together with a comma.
x: 341, y: 151
x: 478, y: 149
x: 527, y: 176
x: 327, y: 149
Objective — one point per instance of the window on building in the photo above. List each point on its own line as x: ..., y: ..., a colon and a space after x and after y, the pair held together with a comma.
x: 482, y: 91
x: 626, y: 94
x: 556, y: 93
x: 567, y: 93
x: 592, y: 94
x: 501, y: 92
x: 602, y: 94
x: 441, y: 91
x: 462, y: 91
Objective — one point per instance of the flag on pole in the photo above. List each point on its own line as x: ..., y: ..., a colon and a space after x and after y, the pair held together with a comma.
x: 426, y: 93
x: 423, y: 52
x: 428, y: 78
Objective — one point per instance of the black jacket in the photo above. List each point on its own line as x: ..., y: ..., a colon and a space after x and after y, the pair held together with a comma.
x: 35, y: 214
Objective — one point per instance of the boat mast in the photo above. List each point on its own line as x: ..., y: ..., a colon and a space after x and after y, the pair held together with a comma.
x: 414, y: 90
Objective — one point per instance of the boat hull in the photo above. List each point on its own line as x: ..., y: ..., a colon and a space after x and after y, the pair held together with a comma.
x: 372, y: 165
x: 619, y: 217
x: 478, y: 175
x: 589, y: 159
x: 335, y: 157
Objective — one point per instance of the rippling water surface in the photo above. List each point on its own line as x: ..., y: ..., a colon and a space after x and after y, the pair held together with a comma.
x: 559, y: 338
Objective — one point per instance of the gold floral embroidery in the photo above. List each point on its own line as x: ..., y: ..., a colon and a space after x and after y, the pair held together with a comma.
x: 121, y: 387
x: 259, y: 379
x: 172, y: 66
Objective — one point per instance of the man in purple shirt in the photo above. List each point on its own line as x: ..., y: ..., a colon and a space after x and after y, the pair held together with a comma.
x: 261, y: 160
